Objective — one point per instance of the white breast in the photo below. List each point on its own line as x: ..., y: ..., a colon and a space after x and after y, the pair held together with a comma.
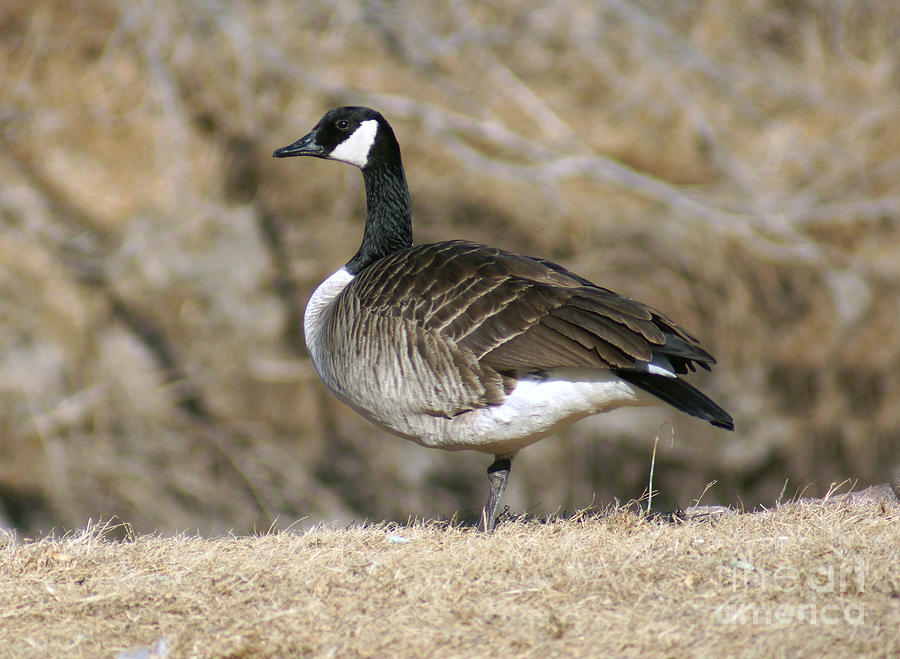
x: 313, y: 328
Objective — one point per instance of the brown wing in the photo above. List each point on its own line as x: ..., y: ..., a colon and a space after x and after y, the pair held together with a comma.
x: 517, y: 314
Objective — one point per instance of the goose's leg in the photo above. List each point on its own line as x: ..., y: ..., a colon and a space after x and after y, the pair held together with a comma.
x: 497, y: 473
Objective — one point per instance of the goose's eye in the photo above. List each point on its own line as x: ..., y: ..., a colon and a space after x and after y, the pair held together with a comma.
x: 342, y: 124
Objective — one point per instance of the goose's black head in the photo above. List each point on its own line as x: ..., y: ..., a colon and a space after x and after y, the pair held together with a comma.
x: 355, y: 135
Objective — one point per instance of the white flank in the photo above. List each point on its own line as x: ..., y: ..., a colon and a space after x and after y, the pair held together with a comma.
x: 538, y: 407
x: 355, y: 149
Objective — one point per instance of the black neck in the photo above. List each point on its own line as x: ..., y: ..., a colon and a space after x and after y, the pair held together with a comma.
x: 388, y: 214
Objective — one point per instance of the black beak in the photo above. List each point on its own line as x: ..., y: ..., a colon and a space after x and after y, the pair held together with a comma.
x: 305, y: 146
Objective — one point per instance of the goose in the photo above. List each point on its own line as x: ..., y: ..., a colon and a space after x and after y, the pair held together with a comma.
x: 457, y: 345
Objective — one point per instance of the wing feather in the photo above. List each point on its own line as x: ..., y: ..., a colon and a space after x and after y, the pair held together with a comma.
x: 498, y: 314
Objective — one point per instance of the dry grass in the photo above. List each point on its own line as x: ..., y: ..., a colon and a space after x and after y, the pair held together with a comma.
x: 804, y: 580
x: 735, y: 164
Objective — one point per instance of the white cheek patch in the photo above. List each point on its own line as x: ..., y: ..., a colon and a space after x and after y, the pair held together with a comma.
x: 355, y: 149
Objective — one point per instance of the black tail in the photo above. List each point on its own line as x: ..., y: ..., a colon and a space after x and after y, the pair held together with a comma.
x: 681, y: 395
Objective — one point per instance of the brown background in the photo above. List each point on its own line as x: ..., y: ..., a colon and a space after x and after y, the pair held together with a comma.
x: 735, y: 164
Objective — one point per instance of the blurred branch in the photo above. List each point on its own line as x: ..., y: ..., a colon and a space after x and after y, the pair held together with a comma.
x: 511, y: 86
x: 89, y: 270
x: 775, y: 230
x: 285, y: 286
x: 153, y: 46
x: 675, y: 56
x: 774, y: 233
